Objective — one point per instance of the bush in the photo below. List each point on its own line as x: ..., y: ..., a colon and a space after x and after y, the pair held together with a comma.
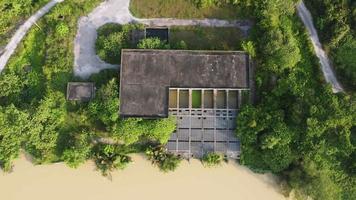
x: 152, y: 43
x: 13, y: 132
x: 109, y: 157
x: 212, y: 159
x: 62, y: 30
x: 163, y: 159
x: 111, y: 39
x: 104, y: 108
x: 77, y: 148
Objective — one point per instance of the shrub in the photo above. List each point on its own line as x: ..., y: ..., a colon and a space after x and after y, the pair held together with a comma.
x: 109, y: 157
x: 77, y: 150
x: 152, y: 43
x: 112, y: 38
x: 163, y: 159
x: 62, y: 30
x: 212, y: 159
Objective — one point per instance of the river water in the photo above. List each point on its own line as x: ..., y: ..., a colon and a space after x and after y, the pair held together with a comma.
x: 140, y: 180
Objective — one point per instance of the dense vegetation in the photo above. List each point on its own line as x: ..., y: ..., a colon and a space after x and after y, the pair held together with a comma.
x: 299, y: 129
x: 36, y: 117
x: 112, y: 38
x: 336, y: 23
x: 13, y: 13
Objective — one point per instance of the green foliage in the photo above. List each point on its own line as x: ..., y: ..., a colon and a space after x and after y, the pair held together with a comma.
x: 164, y: 160
x: 152, y: 43
x: 104, y: 107
x: 13, y: 132
x: 111, y: 39
x: 10, y: 84
x: 205, y: 3
x: 77, y: 149
x: 132, y: 129
x: 299, y: 128
x: 345, y: 62
x: 45, y: 127
x: 13, y: 13
x: 109, y: 157
x: 62, y: 30
x: 335, y: 21
x: 249, y: 47
x: 160, y: 130
x: 332, y: 19
x: 212, y: 159
x: 205, y: 38
x: 128, y: 130
x: 34, y: 81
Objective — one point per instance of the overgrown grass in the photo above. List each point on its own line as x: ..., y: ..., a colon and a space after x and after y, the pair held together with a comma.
x: 184, y: 9
x: 196, y: 99
x: 13, y: 14
x: 207, y: 38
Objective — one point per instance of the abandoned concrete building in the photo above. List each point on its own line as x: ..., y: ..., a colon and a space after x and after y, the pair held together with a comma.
x: 80, y: 91
x: 204, y: 90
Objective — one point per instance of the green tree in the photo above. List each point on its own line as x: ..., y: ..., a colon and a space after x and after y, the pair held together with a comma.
x: 161, y: 130
x: 78, y: 149
x: 105, y: 106
x: 13, y: 132
x: 45, y: 127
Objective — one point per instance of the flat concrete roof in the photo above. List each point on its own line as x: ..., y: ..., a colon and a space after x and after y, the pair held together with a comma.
x: 79, y: 91
x: 147, y: 75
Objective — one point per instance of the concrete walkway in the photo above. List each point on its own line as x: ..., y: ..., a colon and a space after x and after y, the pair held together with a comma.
x: 328, y: 72
x: 117, y: 11
x: 21, y: 32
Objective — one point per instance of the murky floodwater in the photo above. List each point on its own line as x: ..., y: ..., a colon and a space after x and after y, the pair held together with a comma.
x: 139, y: 181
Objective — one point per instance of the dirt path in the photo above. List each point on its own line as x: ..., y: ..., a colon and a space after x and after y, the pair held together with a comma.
x: 117, y: 11
x: 140, y: 180
x: 21, y: 32
x: 328, y: 72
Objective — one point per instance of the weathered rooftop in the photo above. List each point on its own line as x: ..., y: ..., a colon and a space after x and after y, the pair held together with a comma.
x: 78, y: 91
x: 147, y: 75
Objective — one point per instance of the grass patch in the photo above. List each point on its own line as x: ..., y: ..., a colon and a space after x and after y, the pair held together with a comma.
x: 13, y: 14
x: 196, y: 98
x: 183, y: 9
x: 207, y: 38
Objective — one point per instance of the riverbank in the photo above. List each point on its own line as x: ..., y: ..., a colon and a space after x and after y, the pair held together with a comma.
x: 139, y: 181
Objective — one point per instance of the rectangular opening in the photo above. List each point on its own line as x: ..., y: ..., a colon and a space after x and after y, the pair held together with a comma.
x: 184, y: 99
x: 173, y: 98
x: 221, y: 99
x: 208, y: 99
x: 196, y: 99
x: 232, y: 99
